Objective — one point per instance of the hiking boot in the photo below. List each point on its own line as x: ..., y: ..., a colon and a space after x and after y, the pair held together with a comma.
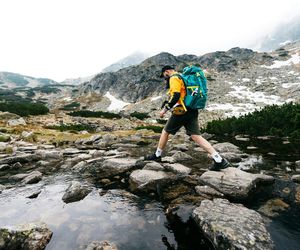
x: 152, y: 157
x: 221, y: 165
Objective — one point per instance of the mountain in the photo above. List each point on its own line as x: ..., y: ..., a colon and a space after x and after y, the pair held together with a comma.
x: 133, y: 59
x: 10, y: 80
x: 240, y: 81
x: 285, y: 33
x: 76, y: 81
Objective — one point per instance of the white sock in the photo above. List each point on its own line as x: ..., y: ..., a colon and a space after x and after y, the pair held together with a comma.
x: 216, y: 157
x: 158, y: 152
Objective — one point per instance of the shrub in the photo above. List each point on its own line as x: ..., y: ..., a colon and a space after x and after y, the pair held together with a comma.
x: 140, y: 116
x: 72, y: 127
x: 71, y: 106
x: 24, y: 108
x: 271, y: 120
x: 88, y: 113
x: 156, y: 129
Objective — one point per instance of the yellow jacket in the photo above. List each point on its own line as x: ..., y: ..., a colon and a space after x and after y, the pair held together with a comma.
x: 177, y: 85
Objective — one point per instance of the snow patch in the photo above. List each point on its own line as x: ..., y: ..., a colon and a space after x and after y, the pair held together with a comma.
x: 290, y: 84
x: 278, y: 64
x: 242, y: 92
x: 285, y: 43
x: 232, y: 110
x: 115, y: 104
x: 68, y: 99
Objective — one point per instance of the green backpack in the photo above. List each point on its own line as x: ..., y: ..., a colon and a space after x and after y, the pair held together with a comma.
x: 196, y: 87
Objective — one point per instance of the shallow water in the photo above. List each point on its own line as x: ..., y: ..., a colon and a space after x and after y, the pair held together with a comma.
x: 132, y: 223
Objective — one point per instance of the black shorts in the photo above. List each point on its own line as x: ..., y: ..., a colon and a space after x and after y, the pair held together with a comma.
x: 189, y: 120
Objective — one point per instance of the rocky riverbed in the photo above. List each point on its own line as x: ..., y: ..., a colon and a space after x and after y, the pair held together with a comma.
x: 97, y: 191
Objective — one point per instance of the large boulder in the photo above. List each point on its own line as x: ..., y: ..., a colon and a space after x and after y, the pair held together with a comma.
x: 31, y: 236
x: 75, y: 192
x: 232, y: 226
x: 16, y: 122
x: 235, y: 183
x: 148, y: 180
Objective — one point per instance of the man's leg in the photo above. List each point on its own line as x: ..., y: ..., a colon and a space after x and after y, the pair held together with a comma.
x: 203, y: 143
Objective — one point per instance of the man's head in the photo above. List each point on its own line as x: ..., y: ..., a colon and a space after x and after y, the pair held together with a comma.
x: 166, y: 71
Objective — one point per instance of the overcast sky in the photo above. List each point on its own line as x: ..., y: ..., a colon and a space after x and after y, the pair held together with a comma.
x: 61, y: 39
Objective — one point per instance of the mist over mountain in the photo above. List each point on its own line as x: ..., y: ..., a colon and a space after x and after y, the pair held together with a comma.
x: 133, y: 59
x: 285, y: 33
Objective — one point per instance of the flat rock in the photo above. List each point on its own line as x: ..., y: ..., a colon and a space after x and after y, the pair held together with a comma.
x: 232, y: 226
x: 33, y: 177
x: 153, y: 166
x: 24, y: 158
x: 147, y: 180
x: 31, y: 236
x: 75, y: 192
x: 234, y: 183
x: 178, y: 168
x: 181, y: 156
x: 206, y: 190
x: 227, y: 147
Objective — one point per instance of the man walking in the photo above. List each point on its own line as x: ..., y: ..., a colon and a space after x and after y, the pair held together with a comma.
x: 181, y: 116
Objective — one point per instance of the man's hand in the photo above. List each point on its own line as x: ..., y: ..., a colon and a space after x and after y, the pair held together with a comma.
x: 162, y: 112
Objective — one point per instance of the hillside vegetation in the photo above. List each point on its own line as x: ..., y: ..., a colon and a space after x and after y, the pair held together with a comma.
x: 272, y: 120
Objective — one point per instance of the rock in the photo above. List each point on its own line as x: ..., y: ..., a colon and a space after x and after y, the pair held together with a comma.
x: 24, y: 158
x: 18, y: 177
x: 114, y: 166
x: 75, y: 192
x: 296, y: 178
x: 297, y: 165
x: 234, y: 183
x: 49, y: 154
x: 33, y: 177
x: 272, y: 207
x: 31, y: 236
x: 70, y: 151
x: 8, y: 116
x: 297, y: 194
x: 241, y: 138
x: 147, y: 180
x: 181, y: 156
x: 2, y: 187
x: 26, y: 134
x: 103, y: 245
x: 34, y: 195
x: 16, y: 122
x: 233, y: 157
x: 232, y: 226
x: 178, y: 168
x: 153, y: 166
x: 225, y: 147
x: 16, y: 166
x: 206, y: 190
x: 4, y: 167
x: 180, y: 147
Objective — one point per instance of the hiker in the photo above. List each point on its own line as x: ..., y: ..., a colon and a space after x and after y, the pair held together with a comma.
x: 182, y: 116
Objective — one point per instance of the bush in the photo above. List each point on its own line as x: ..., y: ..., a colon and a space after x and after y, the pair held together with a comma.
x: 140, y: 116
x: 24, y: 108
x: 272, y: 120
x: 156, y: 129
x: 72, y: 127
x: 71, y: 106
x: 88, y: 113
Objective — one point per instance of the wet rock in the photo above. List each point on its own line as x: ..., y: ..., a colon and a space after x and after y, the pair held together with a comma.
x: 31, y: 236
x: 181, y: 156
x: 4, y: 167
x: 2, y: 187
x: 147, y: 180
x: 225, y: 147
x: 34, y: 195
x: 16, y: 122
x: 24, y: 158
x: 234, y: 183
x: 232, y: 226
x: 114, y: 166
x: 33, y: 177
x: 153, y: 166
x: 206, y: 190
x: 103, y: 245
x: 75, y: 192
x: 296, y: 178
x: 177, y: 168
x: 272, y: 207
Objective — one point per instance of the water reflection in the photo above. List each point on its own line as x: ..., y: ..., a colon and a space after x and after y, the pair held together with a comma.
x: 116, y: 216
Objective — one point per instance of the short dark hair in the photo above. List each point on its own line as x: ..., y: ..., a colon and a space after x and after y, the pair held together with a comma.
x: 164, y: 68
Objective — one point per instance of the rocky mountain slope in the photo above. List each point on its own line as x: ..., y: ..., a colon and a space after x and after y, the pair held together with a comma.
x: 10, y: 80
x: 240, y: 80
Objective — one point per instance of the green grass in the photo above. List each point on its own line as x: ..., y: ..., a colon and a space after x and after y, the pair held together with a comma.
x: 100, y: 114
